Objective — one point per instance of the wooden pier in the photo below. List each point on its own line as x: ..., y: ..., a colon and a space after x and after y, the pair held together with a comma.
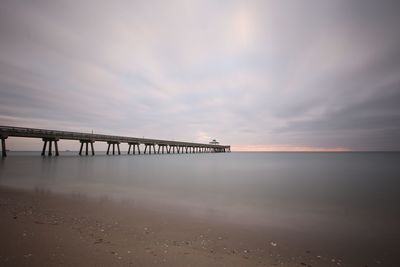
x: 51, y: 137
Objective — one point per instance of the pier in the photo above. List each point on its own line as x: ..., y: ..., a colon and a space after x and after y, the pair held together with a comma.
x: 52, y: 137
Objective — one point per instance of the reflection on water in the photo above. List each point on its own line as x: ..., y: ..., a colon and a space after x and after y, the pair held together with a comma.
x: 344, y: 191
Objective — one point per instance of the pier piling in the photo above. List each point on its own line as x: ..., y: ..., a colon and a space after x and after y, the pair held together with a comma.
x: 50, y: 153
x: 50, y: 142
x: 44, y: 147
x: 133, y: 147
x: 113, y: 143
x: 3, y: 146
x: 86, y: 144
x: 56, y: 147
x: 150, y: 146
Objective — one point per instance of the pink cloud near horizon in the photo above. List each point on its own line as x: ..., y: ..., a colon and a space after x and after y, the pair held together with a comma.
x: 287, y: 148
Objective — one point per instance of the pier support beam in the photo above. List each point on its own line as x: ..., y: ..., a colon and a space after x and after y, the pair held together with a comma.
x: 50, y: 151
x: 150, y: 146
x: 113, y: 143
x: 3, y: 146
x: 86, y: 143
x: 133, y: 146
x: 44, y: 147
x: 162, y: 147
x: 56, y: 147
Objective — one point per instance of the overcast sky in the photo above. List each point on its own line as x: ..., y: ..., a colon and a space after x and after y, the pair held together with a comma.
x: 253, y: 74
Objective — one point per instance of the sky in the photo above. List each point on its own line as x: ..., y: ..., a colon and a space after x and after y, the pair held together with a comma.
x: 259, y: 75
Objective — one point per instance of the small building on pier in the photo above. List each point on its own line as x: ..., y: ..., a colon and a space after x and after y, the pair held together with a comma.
x: 214, y: 142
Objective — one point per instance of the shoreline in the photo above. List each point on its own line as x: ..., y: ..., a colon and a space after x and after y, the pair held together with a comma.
x: 45, y: 228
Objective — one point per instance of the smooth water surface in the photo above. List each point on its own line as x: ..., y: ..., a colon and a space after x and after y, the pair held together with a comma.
x: 327, y: 192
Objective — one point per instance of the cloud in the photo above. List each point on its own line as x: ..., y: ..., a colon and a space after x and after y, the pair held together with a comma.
x: 288, y: 148
x: 249, y: 73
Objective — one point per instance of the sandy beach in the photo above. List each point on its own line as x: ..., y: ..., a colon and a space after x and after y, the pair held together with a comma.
x: 41, y: 228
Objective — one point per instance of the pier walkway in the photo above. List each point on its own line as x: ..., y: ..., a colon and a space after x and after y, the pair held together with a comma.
x: 155, y: 146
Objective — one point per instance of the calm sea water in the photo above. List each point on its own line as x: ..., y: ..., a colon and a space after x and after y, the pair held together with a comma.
x: 357, y: 193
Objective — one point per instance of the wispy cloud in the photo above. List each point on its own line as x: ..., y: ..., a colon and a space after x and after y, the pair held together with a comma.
x: 250, y: 73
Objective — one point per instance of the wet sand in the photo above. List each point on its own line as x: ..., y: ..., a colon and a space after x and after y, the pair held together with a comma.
x: 44, y: 229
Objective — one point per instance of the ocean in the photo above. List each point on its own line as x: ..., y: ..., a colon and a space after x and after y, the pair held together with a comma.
x: 351, y: 195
